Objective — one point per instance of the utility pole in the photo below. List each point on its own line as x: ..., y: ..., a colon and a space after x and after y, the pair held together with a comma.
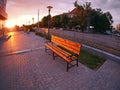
x: 38, y: 19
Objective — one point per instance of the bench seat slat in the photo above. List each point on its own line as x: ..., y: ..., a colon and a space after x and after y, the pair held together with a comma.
x: 61, y: 53
x: 58, y: 49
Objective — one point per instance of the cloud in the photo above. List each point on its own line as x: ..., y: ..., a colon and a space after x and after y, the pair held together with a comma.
x: 112, y: 6
x: 17, y: 8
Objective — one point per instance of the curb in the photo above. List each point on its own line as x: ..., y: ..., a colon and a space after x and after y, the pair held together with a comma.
x: 102, y: 53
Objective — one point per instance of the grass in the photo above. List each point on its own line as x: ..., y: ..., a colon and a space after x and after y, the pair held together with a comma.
x: 90, y: 60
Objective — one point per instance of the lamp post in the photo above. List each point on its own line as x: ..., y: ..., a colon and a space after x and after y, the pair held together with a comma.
x: 38, y: 19
x: 33, y: 19
x: 49, y: 9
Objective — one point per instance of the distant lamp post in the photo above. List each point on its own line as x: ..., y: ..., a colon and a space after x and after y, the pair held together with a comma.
x: 38, y: 19
x: 49, y: 9
x: 33, y: 20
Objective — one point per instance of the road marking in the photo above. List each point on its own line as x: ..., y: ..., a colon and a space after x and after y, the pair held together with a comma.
x: 21, y: 51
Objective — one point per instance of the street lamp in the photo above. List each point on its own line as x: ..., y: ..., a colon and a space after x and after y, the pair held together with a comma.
x: 49, y: 8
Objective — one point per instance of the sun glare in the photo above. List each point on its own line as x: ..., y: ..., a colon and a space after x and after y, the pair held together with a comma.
x: 10, y: 24
x: 23, y: 19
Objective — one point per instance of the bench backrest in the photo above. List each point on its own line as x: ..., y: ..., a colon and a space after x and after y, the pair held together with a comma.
x: 67, y: 44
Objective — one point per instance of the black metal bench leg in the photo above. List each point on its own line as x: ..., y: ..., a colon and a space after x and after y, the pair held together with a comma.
x: 67, y: 66
x: 45, y: 49
x: 77, y: 62
x: 53, y: 56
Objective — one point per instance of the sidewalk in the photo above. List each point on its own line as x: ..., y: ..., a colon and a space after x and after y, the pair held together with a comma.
x: 30, y: 68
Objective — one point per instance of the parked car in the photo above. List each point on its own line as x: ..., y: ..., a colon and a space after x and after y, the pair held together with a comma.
x: 118, y: 34
x: 107, y: 32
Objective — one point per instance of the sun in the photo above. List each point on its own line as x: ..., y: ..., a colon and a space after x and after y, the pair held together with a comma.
x: 10, y: 24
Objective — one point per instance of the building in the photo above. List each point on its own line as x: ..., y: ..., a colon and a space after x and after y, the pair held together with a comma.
x: 72, y: 13
x: 3, y: 16
x: 117, y: 27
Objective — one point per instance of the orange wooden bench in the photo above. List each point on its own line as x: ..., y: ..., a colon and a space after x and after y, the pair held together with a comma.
x: 66, y: 49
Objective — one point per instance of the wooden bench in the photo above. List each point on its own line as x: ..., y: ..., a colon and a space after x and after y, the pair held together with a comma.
x: 66, y: 49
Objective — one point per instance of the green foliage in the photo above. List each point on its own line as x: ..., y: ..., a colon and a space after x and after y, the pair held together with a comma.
x: 44, y: 22
x: 84, y: 16
x: 56, y: 21
x: 60, y: 21
x: 64, y: 20
x: 43, y: 35
x: 100, y: 21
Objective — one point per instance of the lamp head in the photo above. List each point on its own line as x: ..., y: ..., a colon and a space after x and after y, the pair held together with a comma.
x: 49, y: 7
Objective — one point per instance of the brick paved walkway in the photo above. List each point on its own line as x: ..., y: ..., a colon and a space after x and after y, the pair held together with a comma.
x: 36, y: 70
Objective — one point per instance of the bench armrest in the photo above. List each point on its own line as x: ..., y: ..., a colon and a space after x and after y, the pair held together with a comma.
x: 69, y: 56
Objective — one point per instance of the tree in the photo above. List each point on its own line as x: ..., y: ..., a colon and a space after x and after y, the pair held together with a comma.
x: 100, y: 20
x: 44, y: 22
x: 64, y: 20
x: 110, y: 19
x: 86, y: 17
x: 56, y: 21
x: 82, y: 14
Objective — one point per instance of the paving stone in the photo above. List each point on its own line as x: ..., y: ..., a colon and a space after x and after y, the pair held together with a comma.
x: 36, y: 70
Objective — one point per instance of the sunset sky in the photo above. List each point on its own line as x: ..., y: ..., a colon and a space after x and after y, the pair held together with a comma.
x: 22, y: 11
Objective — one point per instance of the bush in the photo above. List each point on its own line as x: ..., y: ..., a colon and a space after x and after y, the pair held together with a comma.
x: 43, y: 35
